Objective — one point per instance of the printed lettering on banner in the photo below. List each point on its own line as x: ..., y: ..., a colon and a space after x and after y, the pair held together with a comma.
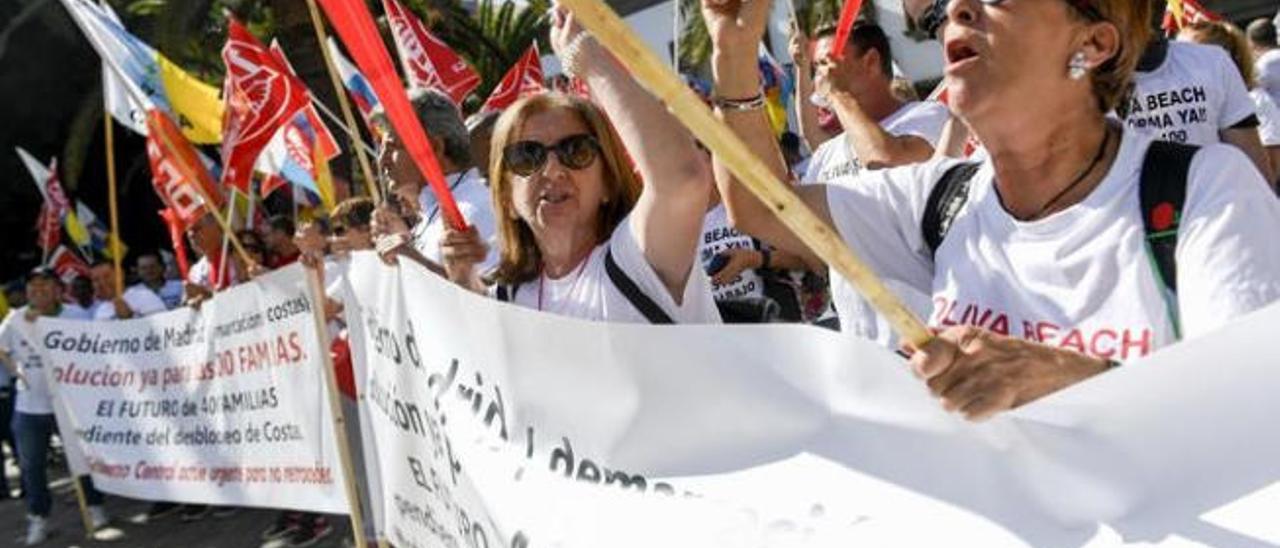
x: 635, y: 435
x: 219, y: 406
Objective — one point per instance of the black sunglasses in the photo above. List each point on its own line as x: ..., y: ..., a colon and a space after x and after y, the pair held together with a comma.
x: 935, y: 14
x: 575, y: 152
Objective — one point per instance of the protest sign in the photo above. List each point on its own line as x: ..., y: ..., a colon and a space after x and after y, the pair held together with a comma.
x: 500, y: 426
x: 224, y: 405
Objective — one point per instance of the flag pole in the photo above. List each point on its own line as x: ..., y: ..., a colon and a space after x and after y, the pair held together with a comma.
x: 114, y: 239
x: 335, y: 407
x: 370, y: 183
x: 751, y: 172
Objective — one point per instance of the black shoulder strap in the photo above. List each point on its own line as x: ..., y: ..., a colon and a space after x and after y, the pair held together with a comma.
x: 506, y: 293
x: 945, y: 201
x: 632, y: 292
x: 1162, y: 191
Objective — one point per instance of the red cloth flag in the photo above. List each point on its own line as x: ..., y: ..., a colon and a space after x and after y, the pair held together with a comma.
x: 261, y: 94
x: 426, y: 60
x: 176, y: 230
x: 355, y: 27
x: 522, y: 79
x: 49, y: 226
x: 68, y: 265
x: 848, y: 15
x: 1192, y: 12
x: 176, y: 169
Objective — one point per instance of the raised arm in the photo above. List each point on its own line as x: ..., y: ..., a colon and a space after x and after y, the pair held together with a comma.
x: 871, y: 144
x: 667, y: 220
x: 735, y: 28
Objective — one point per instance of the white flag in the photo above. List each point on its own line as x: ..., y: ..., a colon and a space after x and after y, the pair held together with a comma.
x: 127, y: 111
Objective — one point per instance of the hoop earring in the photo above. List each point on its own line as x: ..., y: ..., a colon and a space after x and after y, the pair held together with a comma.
x: 1078, y: 67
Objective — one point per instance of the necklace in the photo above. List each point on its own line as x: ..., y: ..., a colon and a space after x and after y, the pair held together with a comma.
x: 582, y: 265
x: 452, y: 186
x: 1097, y: 158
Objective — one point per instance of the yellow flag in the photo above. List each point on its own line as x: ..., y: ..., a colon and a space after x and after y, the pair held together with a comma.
x: 324, y: 179
x: 76, y: 230
x: 1175, y: 7
x: 194, y: 103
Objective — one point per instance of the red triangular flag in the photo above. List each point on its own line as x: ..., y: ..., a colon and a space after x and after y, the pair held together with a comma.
x: 261, y: 94
x: 1192, y: 12
x: 426, y: 60
x: 176, y: 169
x: 524, y: 78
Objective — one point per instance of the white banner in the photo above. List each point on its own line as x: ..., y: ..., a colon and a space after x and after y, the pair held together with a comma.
x: 224, y: 405
x: 500, y: 426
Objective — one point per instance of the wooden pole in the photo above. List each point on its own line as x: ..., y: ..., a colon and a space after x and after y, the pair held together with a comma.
x: 316, y: 289
x: 341, y: 92
x: 114, y: 211
x: 83, y: 502
x: 750, y: 171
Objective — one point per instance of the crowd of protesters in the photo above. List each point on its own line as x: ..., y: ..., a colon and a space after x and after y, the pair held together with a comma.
x: 1040, y: 219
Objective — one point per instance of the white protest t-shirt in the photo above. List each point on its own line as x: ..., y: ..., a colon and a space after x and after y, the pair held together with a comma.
x: 1195, y: 93
x: 202, y: 274
x: 1267, y: 67
x: 474, y: 202
x: 170, y: 293
x: 1268, y: 118
x: 1080, y: 278
x: 140, y: 299
x: 718, y: 237
x: 18, y: 338
x: 835, y: 159
x: 588, y: 293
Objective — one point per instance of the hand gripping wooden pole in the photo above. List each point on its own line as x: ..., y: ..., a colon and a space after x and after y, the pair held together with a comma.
x: 751, y: 172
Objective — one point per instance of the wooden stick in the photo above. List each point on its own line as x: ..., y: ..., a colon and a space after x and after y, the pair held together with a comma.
x: 341, y: 92
x: 83, y: 502
x: 335, y: 406
x: 114, y: 211
x: 751, y: 172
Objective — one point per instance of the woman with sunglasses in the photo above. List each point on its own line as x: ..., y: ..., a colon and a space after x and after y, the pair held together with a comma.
x: 578, y: 235
x: 1035, y: 268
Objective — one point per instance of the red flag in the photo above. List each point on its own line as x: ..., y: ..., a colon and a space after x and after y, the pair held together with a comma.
x: 426, y: 60
x: 524, y: 78
x: 176, y: 169
x: 848, y: 15
x: 68, y: 265
x: 1192, y: 12
x: 355, y: 26
x: 261, y: 94
x: 176, y: 229
x: 49, y: 226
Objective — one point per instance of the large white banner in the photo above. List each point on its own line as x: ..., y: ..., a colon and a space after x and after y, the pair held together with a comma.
x: 499, y: 426
x: 221, y: 405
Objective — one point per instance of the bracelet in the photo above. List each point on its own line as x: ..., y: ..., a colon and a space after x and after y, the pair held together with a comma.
x: 569, y: 58
x: 755, y: 102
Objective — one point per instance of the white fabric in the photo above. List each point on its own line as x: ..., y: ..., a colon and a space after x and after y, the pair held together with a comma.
x: 718, y: 237
x: 472, y: 196
x: 170, y: 293
x: 18, y: 337
x: 1195, y: 93
x: 588, y: 293
x: 140, y: 299
x: 835, y: 158
x: 1268, y: 118
x: 1078, y: 279
x: 201, y: 273
x: 1267, y: 69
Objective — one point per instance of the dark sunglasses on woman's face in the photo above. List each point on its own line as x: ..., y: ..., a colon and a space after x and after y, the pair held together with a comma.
x: 575, y: 152
x: 935, y: 14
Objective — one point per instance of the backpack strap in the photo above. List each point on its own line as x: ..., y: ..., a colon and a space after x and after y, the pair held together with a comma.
x: 506, y: 293
x: 945, y: 201
x: 649, y: 309
x: 1162, y: 192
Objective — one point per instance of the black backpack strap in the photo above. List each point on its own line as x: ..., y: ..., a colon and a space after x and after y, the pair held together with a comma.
x: 506, y: 293
x: 1162, y: 192
x: 945, y: 201
x: 649, y: 309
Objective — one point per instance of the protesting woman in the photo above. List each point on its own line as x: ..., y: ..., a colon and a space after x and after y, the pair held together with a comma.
x: 578, y: 235
x: 1043, y: 265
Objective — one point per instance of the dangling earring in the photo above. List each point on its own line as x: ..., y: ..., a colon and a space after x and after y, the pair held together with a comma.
x: 1078, y: 67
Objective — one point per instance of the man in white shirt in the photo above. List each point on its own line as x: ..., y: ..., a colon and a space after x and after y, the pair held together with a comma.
x: 33, y: 419
x: 1193, y: 94
x: 150, y: 270
x: 1266, y: 65
x: 420, y: 211
x: 880, y: 130
x: 136, y: 300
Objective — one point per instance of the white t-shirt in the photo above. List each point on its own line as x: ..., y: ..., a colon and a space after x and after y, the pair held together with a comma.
x: 18, y: 338
x: 140, y: 299
x: 835, y: 158
x: 718, y: 237
x: 170, y: 293
x: 473, y: 199
x: 1268, y: 118
x: 1080, y: 278
x: 1267, y: 67
x: 201, y: 274
x: 588, y: 293
x: 1194, y: 94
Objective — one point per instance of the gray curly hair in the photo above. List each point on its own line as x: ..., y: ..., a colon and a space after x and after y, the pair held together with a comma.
x: 440, y: 117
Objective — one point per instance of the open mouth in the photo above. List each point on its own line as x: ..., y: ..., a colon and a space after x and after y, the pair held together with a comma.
x: 958, y: 52
x: 552, y: 196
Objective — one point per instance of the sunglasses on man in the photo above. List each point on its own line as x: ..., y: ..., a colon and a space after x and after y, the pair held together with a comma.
x: 935, y: 14
x: 524, y: 158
